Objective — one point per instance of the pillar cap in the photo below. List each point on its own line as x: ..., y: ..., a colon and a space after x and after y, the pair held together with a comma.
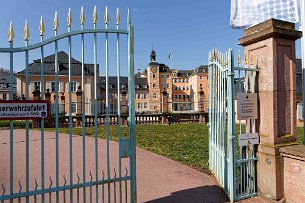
x: 271, y: 28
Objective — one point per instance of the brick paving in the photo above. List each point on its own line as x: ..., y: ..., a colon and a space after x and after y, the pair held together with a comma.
x: 159, y: 179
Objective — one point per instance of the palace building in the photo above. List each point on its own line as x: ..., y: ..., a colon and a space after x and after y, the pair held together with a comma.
x: 157, y: 89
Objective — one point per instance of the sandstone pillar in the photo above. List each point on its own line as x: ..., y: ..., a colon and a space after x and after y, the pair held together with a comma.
x: 123, y: 101
x: 79, y: 106
x: 201, y: 100
x: 36, y: 96
x: 164, y: 101
x: 272, y: 46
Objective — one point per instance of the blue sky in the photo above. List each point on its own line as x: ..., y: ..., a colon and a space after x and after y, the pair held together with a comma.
x: 187, y: 29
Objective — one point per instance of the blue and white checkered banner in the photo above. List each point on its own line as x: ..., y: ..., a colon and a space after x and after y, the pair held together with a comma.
x: 246, y: 13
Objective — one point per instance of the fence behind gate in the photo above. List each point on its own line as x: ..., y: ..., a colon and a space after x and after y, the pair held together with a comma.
x: 109, y: 182
x: 234, y: 167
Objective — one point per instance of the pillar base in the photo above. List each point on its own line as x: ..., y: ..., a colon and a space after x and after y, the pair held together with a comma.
x: 270, y: 172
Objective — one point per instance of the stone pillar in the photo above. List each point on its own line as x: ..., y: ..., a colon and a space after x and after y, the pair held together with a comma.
x: 271, y: 45
x: 36, y: 96
x: 164, y: 101
x: 47, y: 95
x: 164, y: 107
x: 123, y: 101
x: 63, y: 98
x: 201, y: 100
x: 79, y: 106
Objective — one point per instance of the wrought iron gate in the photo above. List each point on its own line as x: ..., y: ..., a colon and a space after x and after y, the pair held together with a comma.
x: 101, y: 184
x: 234, y: 168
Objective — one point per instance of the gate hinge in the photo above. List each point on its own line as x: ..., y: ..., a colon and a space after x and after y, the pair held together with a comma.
x: 124, y: 148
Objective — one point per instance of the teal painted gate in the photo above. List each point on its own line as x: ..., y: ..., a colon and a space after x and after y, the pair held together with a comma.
x: 109, y: 183
x: 233, y: 166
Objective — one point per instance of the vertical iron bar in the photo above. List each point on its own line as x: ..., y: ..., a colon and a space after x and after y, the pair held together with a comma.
x: 119, y: 105
x: 107, y: 111
x: 11, y: 125
x: 231, y: 127
x: 83, y: 116
x: 27, y: 151
x: 95, y: 112
x: 42, y: 121
x: 56, y: 117
x: 131, y: 94
x: 70, y: 117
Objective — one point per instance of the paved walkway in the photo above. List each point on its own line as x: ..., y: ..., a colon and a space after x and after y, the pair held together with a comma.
x: 159, y: 179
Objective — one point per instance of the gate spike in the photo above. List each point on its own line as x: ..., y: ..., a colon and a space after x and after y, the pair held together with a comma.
x: 245, y: 59
x: 94, y: 16
x: 41, y: 27
x: 239, y: 59
x: 11, y: 33
x: 106, y: 17
x: 252, y: 60
x: 3, y: 189
x: 20, y: 186
x: 117, y: 17
x: 82, y: 16
x: 129, y: 17
x: 56, y: 24
x: 26, y: 31
x: 69, y: 19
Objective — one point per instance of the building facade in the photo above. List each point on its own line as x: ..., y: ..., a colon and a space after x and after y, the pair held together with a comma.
x: 157, y: 89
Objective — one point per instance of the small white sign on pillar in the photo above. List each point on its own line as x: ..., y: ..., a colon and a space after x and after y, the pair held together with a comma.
x: 246, y: 106
x: 248, y: 138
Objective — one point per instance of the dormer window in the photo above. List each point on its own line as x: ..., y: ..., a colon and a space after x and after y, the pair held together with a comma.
x: 144, y: 86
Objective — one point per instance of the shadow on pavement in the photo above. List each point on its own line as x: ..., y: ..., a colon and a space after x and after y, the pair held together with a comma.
x: 205, y: 194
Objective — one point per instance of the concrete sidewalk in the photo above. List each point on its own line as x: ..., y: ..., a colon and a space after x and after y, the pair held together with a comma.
x: 159, y: 179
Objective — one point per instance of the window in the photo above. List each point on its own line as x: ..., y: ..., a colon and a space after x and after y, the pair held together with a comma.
x: 183, y: 96
x: 73, y: 107
x: 167, y: 85
x: 176, y: 96
x: 145, y: 105
x: 4, y: 96
x: 200, y: 85
x: 51, y: 86
x: 139, y: 96
x: 154, y: 75
x: 154, y: 85
x: 162, y: 76
x: 168, y: 95
x: 201, y: 77
x: 73, y: 86
x: 139, y: 105
x: 145, y: 96
x: 183, y: 88
x: 144, y: 86
x: 187, y: 88
x: 167, y: 76
x: 179, y: 96
x: 154, y: 95
x: 35, y: 84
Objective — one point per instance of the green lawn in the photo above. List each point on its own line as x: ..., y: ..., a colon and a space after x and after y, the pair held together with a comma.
x: 185, y: 143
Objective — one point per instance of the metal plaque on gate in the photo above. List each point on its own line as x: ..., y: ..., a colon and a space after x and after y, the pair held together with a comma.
x: 248, y: 138
x: 24, y: 109
x: 246, y: 106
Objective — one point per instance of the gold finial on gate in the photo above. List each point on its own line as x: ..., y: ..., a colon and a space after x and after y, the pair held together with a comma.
x: 26, y: 31
x: 117, y: 17
x: 239, y: 58
x: 69, y: 19
x: 252, y: 60
x: 56, y: 24
x: 245, y: 59
x: 11, y: 33
x: 82, y: 16
x: 41, y: 27
x: 106, y: 17
x: 94, y: 16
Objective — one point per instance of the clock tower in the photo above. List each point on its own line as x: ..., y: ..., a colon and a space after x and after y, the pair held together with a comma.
x: 153, y: 78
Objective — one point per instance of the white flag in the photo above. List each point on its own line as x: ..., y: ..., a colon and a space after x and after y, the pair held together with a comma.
x: 246, y: 13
